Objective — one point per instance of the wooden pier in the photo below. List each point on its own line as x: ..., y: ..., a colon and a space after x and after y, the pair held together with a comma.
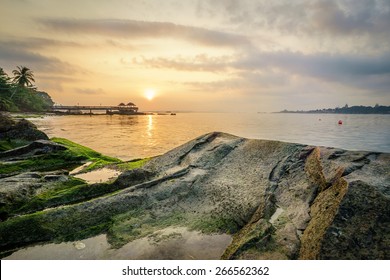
x: 129, y: 109
x: 121, y: 109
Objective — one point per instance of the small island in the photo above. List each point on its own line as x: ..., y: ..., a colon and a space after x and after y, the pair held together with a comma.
x: 377, y: 109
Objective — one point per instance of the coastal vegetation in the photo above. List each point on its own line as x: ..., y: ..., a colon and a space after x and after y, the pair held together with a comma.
x: 72, y: 156
x: 18, y: 94
x: 131, y: 164
x: 377, y: 109
x: 74, y: 150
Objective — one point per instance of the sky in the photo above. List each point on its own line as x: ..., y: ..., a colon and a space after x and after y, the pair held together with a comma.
x: 202, y: 55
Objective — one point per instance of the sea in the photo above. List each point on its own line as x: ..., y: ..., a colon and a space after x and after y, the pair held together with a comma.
x: 139, y: 136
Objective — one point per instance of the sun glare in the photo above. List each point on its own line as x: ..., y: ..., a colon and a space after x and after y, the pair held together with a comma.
x: 150, y: 93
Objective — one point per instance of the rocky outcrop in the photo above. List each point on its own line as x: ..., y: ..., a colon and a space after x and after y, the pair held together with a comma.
x: 278, y: 201
x: 287, y: 200
x: 22, y: 130
x: 19, y: 188
x: 37, y: 147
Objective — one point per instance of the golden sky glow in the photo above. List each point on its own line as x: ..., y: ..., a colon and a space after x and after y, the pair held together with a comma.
x: 202, y: 55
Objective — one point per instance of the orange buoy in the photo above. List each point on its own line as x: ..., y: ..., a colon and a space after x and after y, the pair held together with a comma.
x: 340, y: 122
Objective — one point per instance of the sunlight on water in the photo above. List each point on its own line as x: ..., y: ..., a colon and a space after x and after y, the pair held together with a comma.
x: 150, y: 125
x: 101, y: 175
x: 129, y: 137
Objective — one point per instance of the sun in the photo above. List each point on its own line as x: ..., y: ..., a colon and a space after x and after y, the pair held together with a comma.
x: 150, y: 93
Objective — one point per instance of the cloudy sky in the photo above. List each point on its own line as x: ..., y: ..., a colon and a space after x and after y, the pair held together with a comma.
x: 206, y: 55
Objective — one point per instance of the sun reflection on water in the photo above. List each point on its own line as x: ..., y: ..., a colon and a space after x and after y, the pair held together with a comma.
x: 150, y: 125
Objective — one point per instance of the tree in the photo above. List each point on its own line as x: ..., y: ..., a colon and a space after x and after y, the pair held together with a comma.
x: 5, y: 91
x: 4, y: 79
x: 5, y: 85
x: 2, y: 73
x: 23, y: 76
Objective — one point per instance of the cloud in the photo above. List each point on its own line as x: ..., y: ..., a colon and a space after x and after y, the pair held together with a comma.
x: 340, y: 48
x: 271, y: 69
x: 124, y: 46
x: 304, y: 76
x: 33, y: 43
x: 51, y: 73
x: 331, y: 67
x: 39, y: 44
x: 90, y: 91
x: 145, y: 29
x: 10, y: 57
x: 283, y: 73
x: 337, y: 17
x: 199, y: 63
x: 254, y: 14
x: 351, y: 17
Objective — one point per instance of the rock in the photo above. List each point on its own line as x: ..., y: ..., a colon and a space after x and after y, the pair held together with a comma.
x: 19, y: 187
x: 55, y: 178
x: 37, y: 147
x: 361, y: 226
x: 6, y: 123
x: 278, y: 201
x: 22, y: 130
x: 79, y: 245
x: 25, y: 184
x: 133, y: 177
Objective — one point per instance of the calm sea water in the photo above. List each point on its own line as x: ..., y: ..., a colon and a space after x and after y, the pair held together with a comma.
x: 130, y: 137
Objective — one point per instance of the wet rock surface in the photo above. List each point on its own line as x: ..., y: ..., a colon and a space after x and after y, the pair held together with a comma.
x: 278, y: 201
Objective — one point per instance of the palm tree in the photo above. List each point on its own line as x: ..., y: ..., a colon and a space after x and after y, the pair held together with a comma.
x: 23, y: 76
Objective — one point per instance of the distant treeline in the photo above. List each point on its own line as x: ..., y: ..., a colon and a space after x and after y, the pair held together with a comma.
x: 377, y: 109
x: 18, y: 94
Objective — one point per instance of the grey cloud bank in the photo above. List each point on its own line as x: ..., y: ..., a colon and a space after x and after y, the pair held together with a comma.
x: 144, y: 29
